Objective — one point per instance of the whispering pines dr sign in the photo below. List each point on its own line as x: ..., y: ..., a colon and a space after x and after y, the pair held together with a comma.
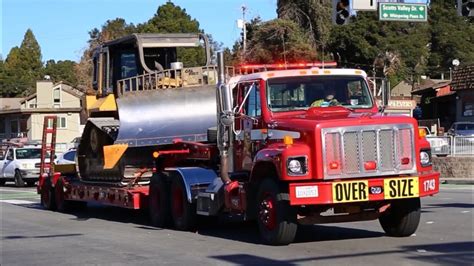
x: 403, y: 12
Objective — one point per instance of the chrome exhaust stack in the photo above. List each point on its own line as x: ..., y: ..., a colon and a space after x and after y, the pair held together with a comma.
x: 225, y: 121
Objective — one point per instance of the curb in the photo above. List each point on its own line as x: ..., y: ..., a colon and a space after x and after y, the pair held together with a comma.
x: 457, y: 181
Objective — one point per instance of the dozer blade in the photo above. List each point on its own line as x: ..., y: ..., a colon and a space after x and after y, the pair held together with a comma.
x: 112, y: 154
x: 149, y: 118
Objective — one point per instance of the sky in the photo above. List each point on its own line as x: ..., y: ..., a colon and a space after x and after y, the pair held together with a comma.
x: 61, y: 26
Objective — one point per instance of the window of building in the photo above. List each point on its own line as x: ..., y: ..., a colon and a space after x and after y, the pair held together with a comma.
x: 14, y: 128
x: 62, y: 122
x: 2, y: 125
x: 57, y: 98
x: 468, y: 109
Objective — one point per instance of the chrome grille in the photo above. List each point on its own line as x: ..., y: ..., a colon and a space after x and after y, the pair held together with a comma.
x: 347, y: 151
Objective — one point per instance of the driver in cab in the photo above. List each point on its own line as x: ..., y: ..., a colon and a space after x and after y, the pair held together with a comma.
x: 328, y: 100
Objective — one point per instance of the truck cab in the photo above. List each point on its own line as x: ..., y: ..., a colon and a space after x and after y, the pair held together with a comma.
x: 315, y: 137
x: 20, y: 164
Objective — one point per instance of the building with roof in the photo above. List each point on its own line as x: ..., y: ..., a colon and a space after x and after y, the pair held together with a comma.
x: 24, y: 117
x: 448, y: 100
x: 462, y: 86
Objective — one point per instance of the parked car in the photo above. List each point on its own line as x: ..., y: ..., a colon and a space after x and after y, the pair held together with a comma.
x: 439, y: 145
x: 20, y: 164
x: 464, y: 129
x: 67, y: 157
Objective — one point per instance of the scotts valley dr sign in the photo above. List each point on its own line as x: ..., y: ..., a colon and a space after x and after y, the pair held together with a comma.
x: 403, y: 12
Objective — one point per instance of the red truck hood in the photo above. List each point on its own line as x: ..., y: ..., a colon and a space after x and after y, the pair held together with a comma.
x: 334, y: 117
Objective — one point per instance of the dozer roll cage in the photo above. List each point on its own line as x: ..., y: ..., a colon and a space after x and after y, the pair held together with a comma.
x: 140, y: 54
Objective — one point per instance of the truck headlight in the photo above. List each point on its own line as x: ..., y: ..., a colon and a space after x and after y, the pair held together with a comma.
x: 425, y: 158
x: 297, y: 165
x: 25, y: 165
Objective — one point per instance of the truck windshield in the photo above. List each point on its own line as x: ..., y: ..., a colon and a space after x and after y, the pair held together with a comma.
x: 300, y: 93
x: 28, y: 153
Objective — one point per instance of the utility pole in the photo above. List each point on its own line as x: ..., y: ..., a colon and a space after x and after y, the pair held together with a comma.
x: 244, y: 28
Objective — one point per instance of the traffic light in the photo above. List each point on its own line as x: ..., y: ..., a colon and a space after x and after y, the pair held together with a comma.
x: 340, y: 12
x: 465, y: 8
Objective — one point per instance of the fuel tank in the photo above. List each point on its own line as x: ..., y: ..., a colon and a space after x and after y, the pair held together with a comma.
x: 147, y: 119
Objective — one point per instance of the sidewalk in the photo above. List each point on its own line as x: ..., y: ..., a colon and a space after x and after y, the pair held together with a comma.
x: 457, y: 181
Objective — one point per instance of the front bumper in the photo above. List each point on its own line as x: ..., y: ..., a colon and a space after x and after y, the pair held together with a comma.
x: 30, y: 174
x: 363, y: 190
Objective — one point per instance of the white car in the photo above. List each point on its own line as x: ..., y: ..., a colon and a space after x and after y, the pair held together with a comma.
x: 439, y: 145
x: 67, y: 157
x: 20, y: 164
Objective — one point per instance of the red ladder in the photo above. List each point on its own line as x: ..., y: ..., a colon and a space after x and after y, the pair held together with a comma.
x: 49, y: 129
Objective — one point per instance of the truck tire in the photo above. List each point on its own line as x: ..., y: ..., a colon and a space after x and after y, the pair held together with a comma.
x: 159, y: 205
x: 19, y: 182
x: 30, y: 183
x: 402, y: 218
x: 2, y: 182
x: 183, y: 212
x: 275, y: 217
x: 47, y: 195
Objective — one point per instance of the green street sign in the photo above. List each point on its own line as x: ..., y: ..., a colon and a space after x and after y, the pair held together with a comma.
x: 403, y: 12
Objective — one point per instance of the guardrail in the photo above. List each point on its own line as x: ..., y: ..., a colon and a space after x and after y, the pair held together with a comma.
x: 451, y: 145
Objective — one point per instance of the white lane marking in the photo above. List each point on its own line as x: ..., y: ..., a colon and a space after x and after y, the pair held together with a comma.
x: 465, y: 211
x: 18, y: 202
x: 421, y: 250
x: 17, y: 190
x: 429, y: 222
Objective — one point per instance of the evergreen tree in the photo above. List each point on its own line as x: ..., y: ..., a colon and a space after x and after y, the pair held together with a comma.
x: 452, y: 37
x: 22, y: 67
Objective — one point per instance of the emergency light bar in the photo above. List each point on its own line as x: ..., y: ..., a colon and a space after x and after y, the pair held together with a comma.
x: 290, y: 65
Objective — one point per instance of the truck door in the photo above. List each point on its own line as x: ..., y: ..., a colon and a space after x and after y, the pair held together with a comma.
x: 248, y: 124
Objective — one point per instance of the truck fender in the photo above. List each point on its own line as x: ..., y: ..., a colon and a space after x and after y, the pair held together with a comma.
x: 195, y: 179
x: 263, y: 159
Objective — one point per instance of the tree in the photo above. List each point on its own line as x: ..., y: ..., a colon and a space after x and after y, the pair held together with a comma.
x: 22, y: 67
x: 169, y: 18
x: 61, y: 71
x: 112, y: 29
x: 314, y: 17
x: 451, y: 37
x: 278, y: 41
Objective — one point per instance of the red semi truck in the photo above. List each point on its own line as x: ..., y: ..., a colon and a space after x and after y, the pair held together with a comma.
x: 283, y: 145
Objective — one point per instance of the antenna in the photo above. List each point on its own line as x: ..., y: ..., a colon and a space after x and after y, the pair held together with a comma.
x: 244, y: 29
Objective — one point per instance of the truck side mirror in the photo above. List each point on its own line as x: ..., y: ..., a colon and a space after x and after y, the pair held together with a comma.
x: 10, y: 157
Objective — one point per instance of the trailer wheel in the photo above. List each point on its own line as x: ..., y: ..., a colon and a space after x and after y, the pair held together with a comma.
x: 159, y: 206
x: 47, y: 195
x: 19, y: 182
x: 183, y: 212
x: 402, y: 218
x: 275, y: 217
